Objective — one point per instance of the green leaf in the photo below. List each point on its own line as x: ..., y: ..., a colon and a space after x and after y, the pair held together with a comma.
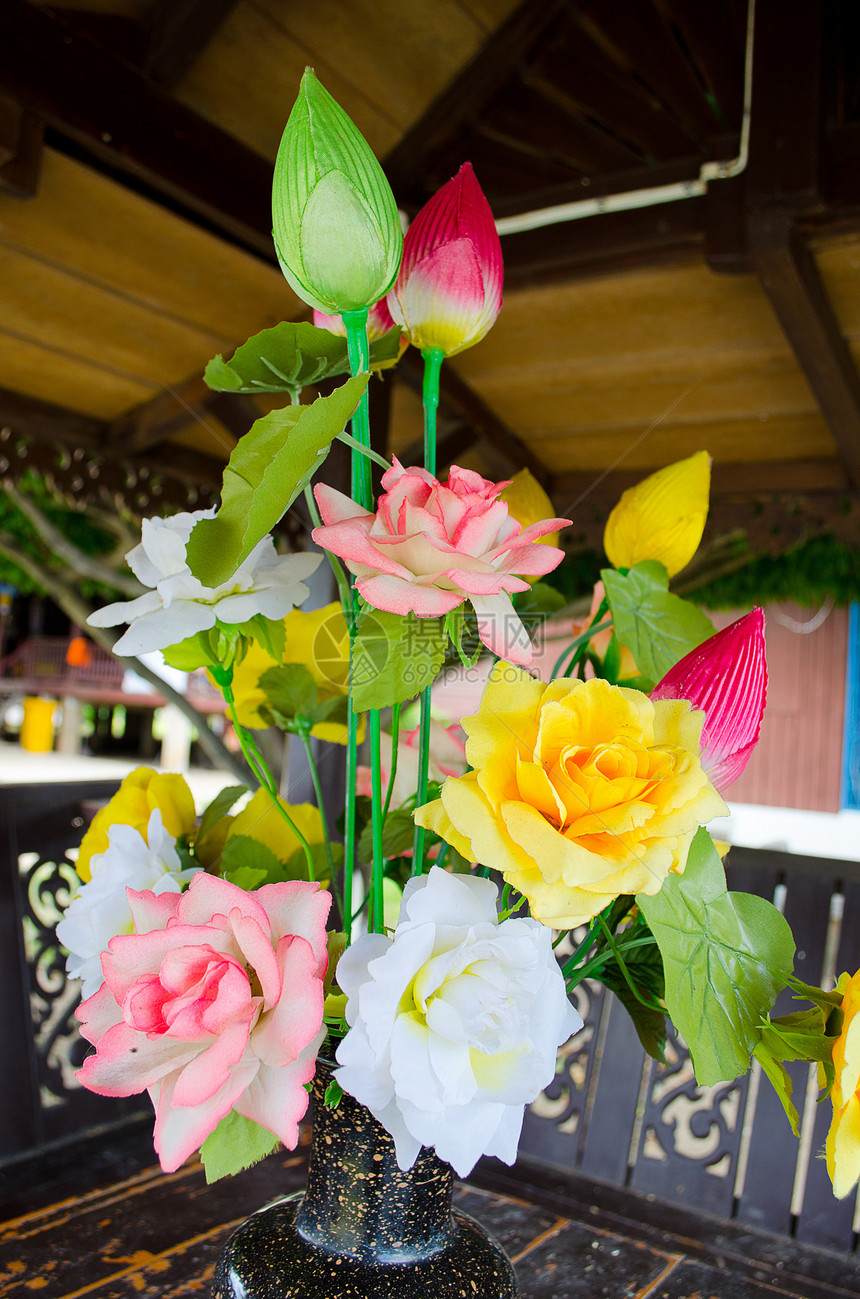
x: 290, y: 690
x: 335, y: 711
x: 657, y: 627
x: 538, y: 603
x: 286, y: 358
x: 189, y: 654
x: 267, y: 470
x: 394, y: 658
x: 645, y: 967
x: 291, y: 356
x: 235, y: 1144
x: 333, y: 1094
x: 726, y: 957
x: 219, y: 807
x: 297, y: 867
x: 397, y: 836
x: 270, y: 634
x: 780, y: 1079
x: 247, y: 863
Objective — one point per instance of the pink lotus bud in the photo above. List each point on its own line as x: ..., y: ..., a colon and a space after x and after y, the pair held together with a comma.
x: 448, y: 291
x: 378, y: 321
x: 726, y: 677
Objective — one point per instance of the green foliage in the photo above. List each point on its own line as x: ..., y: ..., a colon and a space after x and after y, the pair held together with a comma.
x: 394, y: 658
x: 726, y: 957
x: 807, y: 573
x: 76, y: 525
x: 645, y: 969
x: 267, y: 470
x: 235, y: 1144
x: 248, y: 864
x: 289, y: 357
x: 219, y: 807
x: 657, y: 627
x: 397, y: 836
x: 292, y: 703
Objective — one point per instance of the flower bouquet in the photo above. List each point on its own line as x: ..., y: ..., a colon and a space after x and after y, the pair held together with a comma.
x: 429, y: 937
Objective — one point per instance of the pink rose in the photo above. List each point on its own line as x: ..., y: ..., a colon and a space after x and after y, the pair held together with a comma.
x: 432, y: 545
x: 214, y: 1003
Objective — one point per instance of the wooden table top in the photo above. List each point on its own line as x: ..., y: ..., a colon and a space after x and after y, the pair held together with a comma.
x: 148, y: 1234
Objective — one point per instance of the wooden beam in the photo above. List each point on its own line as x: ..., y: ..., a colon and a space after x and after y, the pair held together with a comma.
x: 467, y: 95
x: 47, y: 422
x: 786, y: 123
x: 753, y: 480
x: 156, y: 421
x: 180, y: 30
x: 462, y: 403
x: 791, y: 280
x: 109, y: 109
x: 21, y: 138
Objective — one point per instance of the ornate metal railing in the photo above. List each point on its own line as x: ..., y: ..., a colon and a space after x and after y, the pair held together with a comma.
x: 611, y: 1113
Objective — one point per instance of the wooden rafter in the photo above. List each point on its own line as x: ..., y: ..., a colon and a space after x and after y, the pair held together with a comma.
x: 117, y: 116
x: 468, y: 94
x: 154, y: 422
x: 791, y: 280
x: 179, y: 32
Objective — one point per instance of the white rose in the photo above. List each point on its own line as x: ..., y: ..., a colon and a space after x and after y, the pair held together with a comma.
x: 99, y: 909
x: 454, y: 1023
x: 180, y: 605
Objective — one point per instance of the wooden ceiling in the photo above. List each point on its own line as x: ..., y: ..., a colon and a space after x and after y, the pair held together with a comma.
x: 136, y: 146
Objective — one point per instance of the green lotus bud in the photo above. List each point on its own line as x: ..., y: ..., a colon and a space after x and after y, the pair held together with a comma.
x: 336, y: 228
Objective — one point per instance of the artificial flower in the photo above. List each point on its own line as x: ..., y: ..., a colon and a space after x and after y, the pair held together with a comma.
x: 179, y: 605
x: 336, y: 227
x: 100, y: 909
x: 454, y: 1022
x: 142, y: 792
x: 431, y: 546
x: 580, y: 791
x: 261, y: 821
x: 447, y: 758
x: 319, y: 640
x: 213, y: 1004
x: 843, y: 1139
x: 528, y: 503
x: 725, y: 676
x: 379, y: 321
x: 663, y: 517
x: 448, y: 291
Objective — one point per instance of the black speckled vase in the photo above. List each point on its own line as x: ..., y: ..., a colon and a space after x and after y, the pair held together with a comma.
x: 363, y: 1229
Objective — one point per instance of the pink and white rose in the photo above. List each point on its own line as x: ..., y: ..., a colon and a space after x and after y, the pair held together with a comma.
x: 213, y: 1004
x: 432, y: 545
x: 455, y: 1022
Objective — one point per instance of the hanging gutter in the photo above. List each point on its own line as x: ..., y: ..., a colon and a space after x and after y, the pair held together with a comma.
x: 652, y: 197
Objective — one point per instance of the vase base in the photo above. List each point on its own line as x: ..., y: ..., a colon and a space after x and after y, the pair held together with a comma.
x: 268, y: 1258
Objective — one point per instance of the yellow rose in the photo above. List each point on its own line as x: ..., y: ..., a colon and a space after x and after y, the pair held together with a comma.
x: 320, y: 642
x: 663, y: 517
x: 580, y: 791
x: 142, y: 791
x: 843, y: 1139
x: 260, y: 820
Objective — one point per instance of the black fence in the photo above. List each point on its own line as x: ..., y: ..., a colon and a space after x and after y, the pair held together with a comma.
x: 611, y: 1113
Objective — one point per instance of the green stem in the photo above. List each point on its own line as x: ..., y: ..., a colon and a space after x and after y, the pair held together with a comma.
x: 305, y: 737
x: 377, y: 868
x: 576, y: 645
x: 423, y: 781
x: 433, y: 359
x: 338, y: 572
x: 395, y: 736
x: 349, y: 843
x: 257, y: 763
x: 359, y: 363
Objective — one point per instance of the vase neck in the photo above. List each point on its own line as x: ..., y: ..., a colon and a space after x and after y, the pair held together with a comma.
x: 358, y: 1201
